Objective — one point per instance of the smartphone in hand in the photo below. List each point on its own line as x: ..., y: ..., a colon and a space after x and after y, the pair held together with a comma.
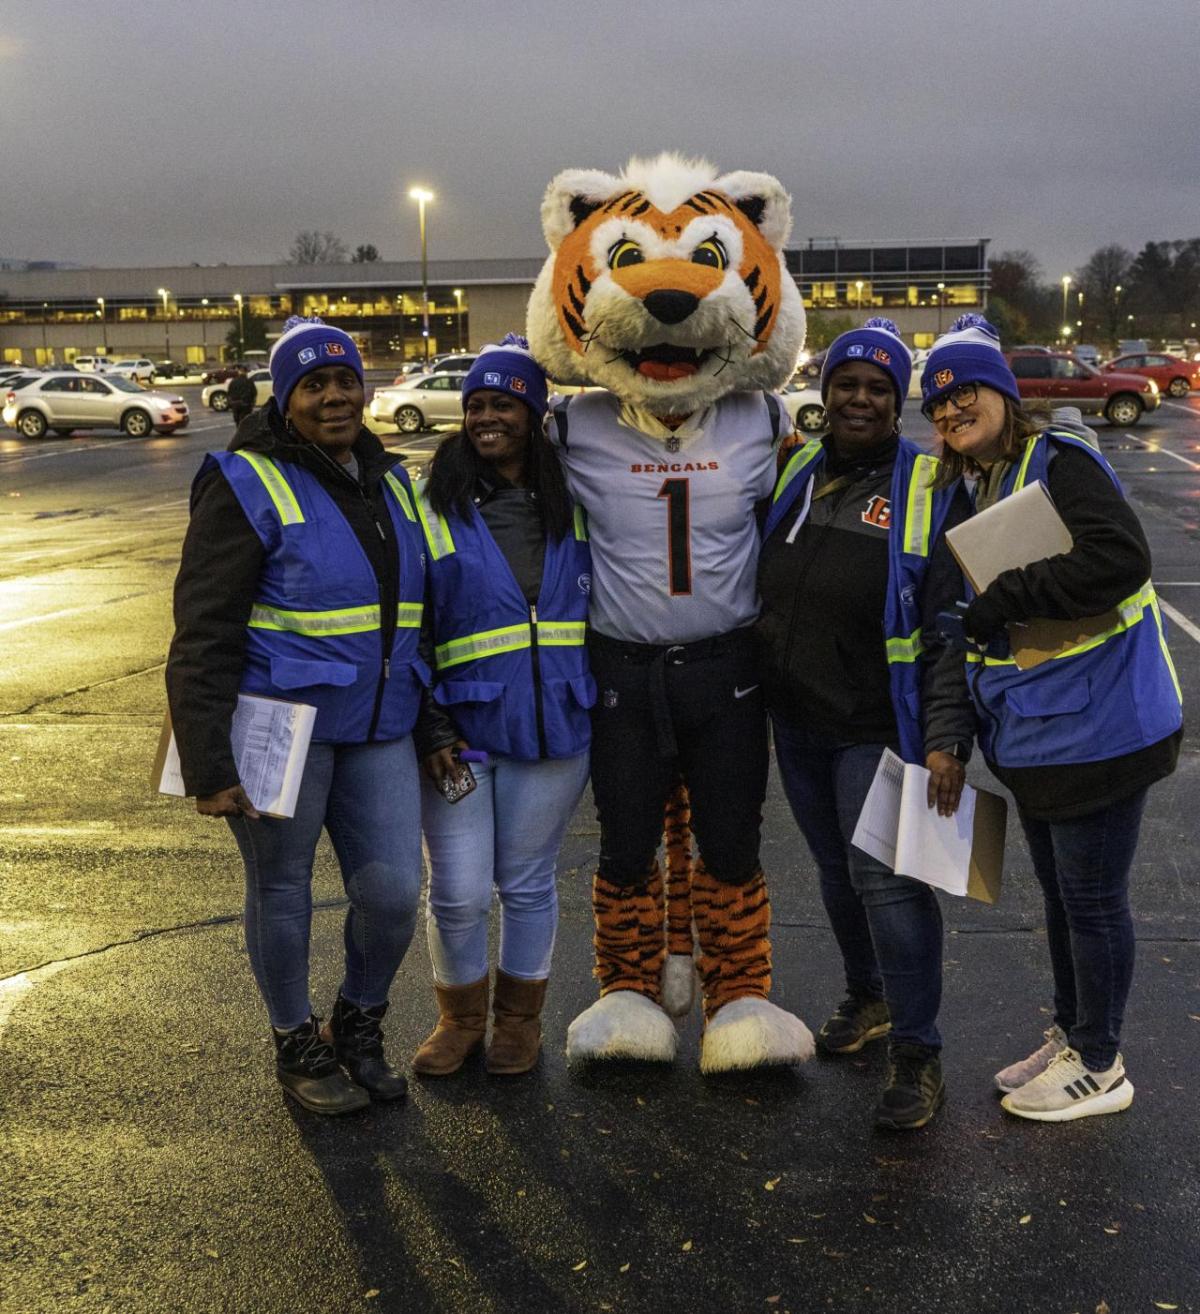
x: 460, y: 782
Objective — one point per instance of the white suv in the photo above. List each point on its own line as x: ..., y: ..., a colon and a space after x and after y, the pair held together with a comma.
x: 92, y: 364
x: 140, y: 370
x: 67, y: 401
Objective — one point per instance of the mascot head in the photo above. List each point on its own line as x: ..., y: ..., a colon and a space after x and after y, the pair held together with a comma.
x: 667, y: 285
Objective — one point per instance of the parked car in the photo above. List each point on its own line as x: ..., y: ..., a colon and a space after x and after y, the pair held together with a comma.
x: 804, y: 405
x: 170, y: 369
x: 459, y: 363
x: 64, y: 401
x: 1064, y: 381
x: 139, y: 370
x: 421, y: 403
x: 1085, y: 352
x: 223, y: 373
x: 811, y: 368
x: 408, y: 370
x: 216, y: 395
x: 919, y: 357
x: 91, y: 364
x: 1173, y: 374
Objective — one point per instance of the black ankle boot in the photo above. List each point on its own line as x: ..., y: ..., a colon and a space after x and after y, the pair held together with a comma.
x: 358, y: 1040
x: 308, y: 1070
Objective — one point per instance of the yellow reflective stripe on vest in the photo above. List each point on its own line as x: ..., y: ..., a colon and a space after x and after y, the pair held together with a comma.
x: 1129, y: 613
x: 400, y: 493
x: 408, y: 615
x: 560, y: 634
x: 319, y: 624
x: 1166, y: 652
x: 277, y: 488
x: 918, y: 514
x: 487, y: 643
x: 905, y: 650
x: 804, y: 457
x: 1023, y: 468
x: 437, y: 531
x: 581, y: 533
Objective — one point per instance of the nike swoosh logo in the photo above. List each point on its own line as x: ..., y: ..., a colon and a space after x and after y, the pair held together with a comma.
x: 741, y: 693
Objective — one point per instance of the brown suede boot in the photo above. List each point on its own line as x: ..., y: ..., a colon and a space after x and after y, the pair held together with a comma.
x: 516, y: 1025
x: 461, y: 1025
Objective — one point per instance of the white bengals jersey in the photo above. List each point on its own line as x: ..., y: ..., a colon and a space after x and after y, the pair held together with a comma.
x: 673, y: 533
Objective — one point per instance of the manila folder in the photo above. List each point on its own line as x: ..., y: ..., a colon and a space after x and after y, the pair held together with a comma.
x: 1014, y: 532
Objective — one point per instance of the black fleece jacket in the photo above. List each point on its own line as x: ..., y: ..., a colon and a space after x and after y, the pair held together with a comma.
x: 820, y: 631
x: 218, y: 582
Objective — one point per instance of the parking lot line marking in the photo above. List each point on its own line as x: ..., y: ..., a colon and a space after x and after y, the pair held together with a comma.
x: 1162, y: 451
x: 1193, y: 631
x: 1187, y: 410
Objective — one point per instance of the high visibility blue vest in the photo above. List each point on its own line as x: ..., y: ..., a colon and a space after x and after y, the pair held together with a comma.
x: 918, y: 513
x: 315, y: 634
x: 514, y: 677
x: 1113, y: 694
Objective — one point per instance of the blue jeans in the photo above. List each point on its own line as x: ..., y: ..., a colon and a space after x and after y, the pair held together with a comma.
x: 888, y: 927
x: 366, y: 797
x: 1083, y: 868
x: 507, y: 834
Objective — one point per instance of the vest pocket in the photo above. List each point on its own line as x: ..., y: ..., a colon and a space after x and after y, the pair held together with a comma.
x: 297, y: 673
x: 566, y: 704
x: 479, y: 709
x: 1050, y: 697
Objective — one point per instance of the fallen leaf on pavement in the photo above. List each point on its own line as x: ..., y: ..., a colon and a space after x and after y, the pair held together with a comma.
x: 772, y: 1184
x: 1026, y: 1218
x: 575, y: 1268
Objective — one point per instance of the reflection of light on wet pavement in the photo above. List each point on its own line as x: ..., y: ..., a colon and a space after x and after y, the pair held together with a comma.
x: 12, y: 988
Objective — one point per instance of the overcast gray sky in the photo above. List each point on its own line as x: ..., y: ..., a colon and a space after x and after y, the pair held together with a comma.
x: 213, y: 130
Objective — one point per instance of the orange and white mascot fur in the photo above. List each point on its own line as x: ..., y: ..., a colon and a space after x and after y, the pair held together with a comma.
x: 705, y: 254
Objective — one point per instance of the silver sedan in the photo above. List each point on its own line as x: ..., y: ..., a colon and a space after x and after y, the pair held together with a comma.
x: 422, y: 404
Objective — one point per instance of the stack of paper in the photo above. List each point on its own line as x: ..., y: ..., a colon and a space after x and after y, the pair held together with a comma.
x: 962, y: 854
x: 1012, y: 533
x: 270, y: 741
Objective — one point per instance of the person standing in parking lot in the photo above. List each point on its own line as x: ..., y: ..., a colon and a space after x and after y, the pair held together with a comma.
x: 243, y: 395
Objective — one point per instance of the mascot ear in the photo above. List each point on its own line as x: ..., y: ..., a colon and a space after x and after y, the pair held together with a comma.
x: 571, y: 197
x: 762, y: 200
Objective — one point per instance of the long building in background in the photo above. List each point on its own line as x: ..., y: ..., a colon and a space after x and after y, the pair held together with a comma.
x: 200, y: 313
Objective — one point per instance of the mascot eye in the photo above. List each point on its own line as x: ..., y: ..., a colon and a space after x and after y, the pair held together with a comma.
x: 710, y: 253
x: 624, y: 253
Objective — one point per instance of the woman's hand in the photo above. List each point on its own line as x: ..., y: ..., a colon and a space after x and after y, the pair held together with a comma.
x: 444, y: 762
x: 946, y: 777
x: 231, y: 802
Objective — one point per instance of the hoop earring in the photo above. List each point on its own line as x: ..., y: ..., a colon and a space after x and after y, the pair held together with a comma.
x: 899, y: 427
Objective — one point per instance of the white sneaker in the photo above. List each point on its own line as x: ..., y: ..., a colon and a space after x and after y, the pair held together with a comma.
x: 1067, y: 1090
x: 1017, y: 1074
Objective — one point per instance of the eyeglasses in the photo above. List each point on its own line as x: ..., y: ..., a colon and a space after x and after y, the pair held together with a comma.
x: 962, y: 396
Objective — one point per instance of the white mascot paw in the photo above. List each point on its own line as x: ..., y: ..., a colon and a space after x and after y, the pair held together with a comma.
x: 622, y: 1025
x: 753, y: 1033
x: 679, y: 984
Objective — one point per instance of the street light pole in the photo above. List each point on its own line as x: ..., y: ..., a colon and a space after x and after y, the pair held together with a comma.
x: 45, y: 349
x: 166, y: 297
x: 422, y: 197
x: 458, y: 301
x: 103, y: 323
x: 237, y: 296
x: 858, y: 284
x: 941, y: 290
x: 1066, y: 282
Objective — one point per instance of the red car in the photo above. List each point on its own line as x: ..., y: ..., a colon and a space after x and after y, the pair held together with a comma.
x: 1173, y: 374
x: 1063, y: 380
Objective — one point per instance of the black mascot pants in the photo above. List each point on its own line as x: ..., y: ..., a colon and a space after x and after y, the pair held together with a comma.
x: 694, y: 711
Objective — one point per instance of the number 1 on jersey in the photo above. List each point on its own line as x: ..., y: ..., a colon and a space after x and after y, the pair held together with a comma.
x: 679, y: 534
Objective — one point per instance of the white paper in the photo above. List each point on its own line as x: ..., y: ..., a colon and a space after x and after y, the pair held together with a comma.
x: 930, y: 847
x: 879, y: 820
x: 898, y: 827
x: 270, y: 741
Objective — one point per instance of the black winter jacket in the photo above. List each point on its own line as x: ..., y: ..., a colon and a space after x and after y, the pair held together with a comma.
x: 218, y: 582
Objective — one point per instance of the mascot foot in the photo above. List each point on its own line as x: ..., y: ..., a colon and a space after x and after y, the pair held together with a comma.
x: 679, y: 984
x: 753, y: 1033
x: 622, y: 1025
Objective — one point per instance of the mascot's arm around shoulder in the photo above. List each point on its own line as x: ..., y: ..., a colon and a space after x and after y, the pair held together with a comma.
x: 667, y: 285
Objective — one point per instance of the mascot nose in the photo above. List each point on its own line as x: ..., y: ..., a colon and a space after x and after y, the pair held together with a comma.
x: 669, y: 306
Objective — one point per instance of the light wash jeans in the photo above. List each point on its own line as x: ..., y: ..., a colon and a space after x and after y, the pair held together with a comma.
x: 367, y: 797
x: 507, y: 834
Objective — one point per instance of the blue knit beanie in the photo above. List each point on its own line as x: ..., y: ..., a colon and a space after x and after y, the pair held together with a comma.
x: 879, y: 343
x: 306, y: 345
x: 968, y: 353
x: 508, y: 366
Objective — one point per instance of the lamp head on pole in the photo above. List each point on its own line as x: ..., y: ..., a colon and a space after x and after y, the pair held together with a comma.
x: 421, y: 195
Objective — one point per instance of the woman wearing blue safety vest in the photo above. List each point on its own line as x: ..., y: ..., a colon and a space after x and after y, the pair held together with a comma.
x: 302, y: 579
x: 853, y: 571
x: 509, y: 576
x: 1078, y: 739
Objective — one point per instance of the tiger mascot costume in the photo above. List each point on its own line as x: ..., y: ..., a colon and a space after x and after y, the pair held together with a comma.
x: 666, y: 287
